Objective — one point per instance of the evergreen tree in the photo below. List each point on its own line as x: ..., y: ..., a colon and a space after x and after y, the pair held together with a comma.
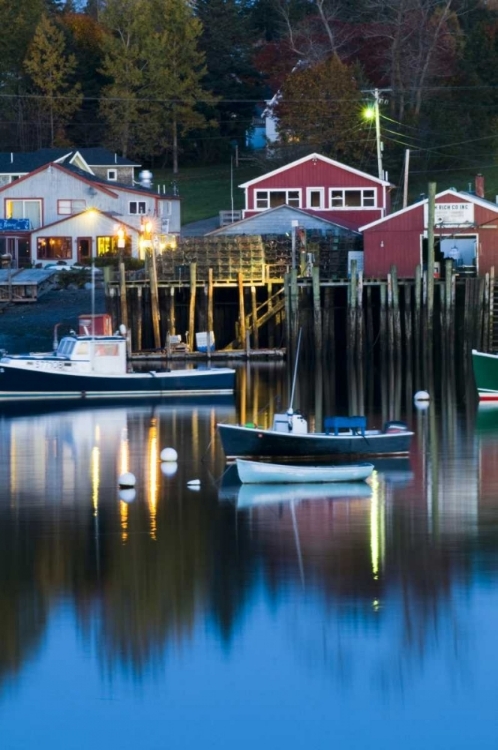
x: 51, y: 70
x: 123, y: 67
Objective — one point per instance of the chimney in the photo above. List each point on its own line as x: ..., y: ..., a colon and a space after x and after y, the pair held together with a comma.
x: 479, y: 186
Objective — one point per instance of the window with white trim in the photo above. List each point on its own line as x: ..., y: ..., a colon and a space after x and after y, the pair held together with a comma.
x: 352, y: 198
x: 24, y: 209
x: 315, y: 197
x: 112, y: 175
x: 137, y: 207
x: 69, y: 206
x: 274, y: 198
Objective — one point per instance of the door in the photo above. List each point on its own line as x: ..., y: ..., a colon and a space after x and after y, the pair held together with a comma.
x: 84, y: 245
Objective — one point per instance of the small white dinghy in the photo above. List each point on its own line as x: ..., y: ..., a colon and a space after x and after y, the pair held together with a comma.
x: 261, y: 472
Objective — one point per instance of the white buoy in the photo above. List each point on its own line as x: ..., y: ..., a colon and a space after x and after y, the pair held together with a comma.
x: 128, y: 496
x: 194, y: 484
x: 127, y: 479
x: 168, y: 454
x: 421, y: 396
x: 169, y: 468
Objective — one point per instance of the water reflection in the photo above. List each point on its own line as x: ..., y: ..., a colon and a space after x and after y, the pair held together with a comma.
x: 314, y: 597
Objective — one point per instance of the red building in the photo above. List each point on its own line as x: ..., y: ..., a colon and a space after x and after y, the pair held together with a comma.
x: 465, y: 230
x: 322, y: 187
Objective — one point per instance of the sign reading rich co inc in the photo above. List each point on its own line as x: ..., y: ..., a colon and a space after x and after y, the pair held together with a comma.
x: 451, y: 214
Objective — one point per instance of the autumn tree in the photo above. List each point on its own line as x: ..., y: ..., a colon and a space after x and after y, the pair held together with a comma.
x: 51, y: 71
x: 319, y: 108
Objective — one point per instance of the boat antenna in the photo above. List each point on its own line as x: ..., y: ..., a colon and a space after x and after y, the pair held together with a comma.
x: 294, y: 377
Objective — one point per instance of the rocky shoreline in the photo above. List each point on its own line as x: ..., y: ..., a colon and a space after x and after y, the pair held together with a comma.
x: 30, y: 326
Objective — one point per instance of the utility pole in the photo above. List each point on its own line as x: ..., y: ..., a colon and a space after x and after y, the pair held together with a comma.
x: 377, y: 133
x: 405, y: 182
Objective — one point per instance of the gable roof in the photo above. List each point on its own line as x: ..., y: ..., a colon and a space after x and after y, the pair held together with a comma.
x: 284, y: 209
x: 450, y: 191
x: 78, y: 174
x: 21, y: 163
x: 116, y: 218
x: 317, y: 157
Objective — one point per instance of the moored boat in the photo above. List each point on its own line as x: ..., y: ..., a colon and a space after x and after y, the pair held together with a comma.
x: 289, y: 438
x: 485, y: 367
x: 97, y: 367
x: 262, y: 472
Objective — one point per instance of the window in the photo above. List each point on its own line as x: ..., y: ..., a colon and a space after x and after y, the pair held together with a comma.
x: 137, y: 207
x: 67, y: 207
x: 274, y: 198
x: 314, y: 197
x: 109, y: 246
x: 24, y: 209
x: 352, y: 198
x: 53, y: 248
x: 112, y: 175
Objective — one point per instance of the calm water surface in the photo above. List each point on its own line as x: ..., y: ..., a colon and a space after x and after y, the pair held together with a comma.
x: 226, y: 617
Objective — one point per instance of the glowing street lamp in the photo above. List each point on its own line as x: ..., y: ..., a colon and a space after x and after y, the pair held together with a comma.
x: 372, y: 113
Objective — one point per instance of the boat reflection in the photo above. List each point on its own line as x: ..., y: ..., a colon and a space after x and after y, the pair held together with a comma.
x: 253, y: 495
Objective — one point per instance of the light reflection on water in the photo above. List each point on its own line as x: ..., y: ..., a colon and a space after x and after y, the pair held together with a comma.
x: 308, y: 617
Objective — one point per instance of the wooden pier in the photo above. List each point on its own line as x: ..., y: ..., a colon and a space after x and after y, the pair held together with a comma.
x: 255, y: 308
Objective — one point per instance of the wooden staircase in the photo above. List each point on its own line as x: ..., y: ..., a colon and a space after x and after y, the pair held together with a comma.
x: 265, y: 312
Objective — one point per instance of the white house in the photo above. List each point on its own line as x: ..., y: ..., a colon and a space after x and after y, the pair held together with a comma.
x: 60, y: 212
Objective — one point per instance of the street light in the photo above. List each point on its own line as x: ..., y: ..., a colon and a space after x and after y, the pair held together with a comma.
x: 372, y: 113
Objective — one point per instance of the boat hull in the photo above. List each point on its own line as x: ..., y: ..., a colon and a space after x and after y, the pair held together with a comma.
x: 485, y: 367
x: 244, y: 442
x: 260, y: 472
x: 18, y: 383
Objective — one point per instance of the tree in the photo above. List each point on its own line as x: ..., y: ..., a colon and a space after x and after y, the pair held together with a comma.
x: 123, y: 67
x: 175, y: 70
x: 320, y: 108
x: 51, y: 71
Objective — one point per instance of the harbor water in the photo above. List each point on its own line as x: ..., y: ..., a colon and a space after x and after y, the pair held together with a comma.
x: 190, y: 615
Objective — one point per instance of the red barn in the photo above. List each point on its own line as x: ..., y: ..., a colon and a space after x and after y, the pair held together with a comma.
x: 465, y: 230
x: 322, y: 187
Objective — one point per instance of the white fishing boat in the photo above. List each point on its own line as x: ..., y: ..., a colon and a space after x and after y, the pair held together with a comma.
x: 261, y: 472
x: 96, y: 366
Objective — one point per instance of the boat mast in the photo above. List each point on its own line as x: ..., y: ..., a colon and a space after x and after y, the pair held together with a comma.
x: 294, y: 377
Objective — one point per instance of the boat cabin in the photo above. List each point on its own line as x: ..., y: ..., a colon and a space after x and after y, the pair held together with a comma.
x: 98, y: 354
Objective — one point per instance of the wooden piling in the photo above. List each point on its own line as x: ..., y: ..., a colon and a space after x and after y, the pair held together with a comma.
x: 154, y: 301
x: 191, y: 308
x: 396, y: 311
x: 294, y: 308
x: 122, y: 294
x: 254, y: 316
x: 489, y: 343
x: 242, y: 313
x: 352, y: 300
x: 317, y: 312
x: 271, y: 322
x: 171, y: 312
x: 139, y: 324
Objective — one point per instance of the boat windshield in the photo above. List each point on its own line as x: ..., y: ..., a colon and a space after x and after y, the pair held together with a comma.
x: 65, y: 347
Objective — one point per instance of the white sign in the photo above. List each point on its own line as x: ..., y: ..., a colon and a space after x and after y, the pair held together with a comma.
x: 451, y: 214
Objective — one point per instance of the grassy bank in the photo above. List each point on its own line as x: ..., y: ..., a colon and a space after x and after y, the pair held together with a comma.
x: 205, y: 191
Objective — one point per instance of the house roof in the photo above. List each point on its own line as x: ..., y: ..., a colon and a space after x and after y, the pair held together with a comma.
x: 116, y: 218
x: 293, y: 212
x: 310, y: 157
x: 23, y: 162
x: 93, y: 180
x: 450, y: 191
